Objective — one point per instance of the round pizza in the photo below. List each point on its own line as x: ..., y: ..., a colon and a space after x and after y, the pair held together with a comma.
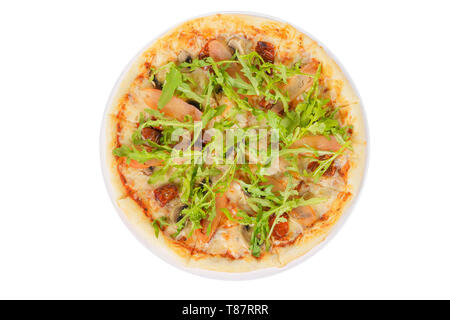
x: 234, y: 143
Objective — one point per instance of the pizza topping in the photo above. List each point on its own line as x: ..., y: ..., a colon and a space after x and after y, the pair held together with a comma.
x: 312, y: 166
x: 281, y: 229
x: 247, y: 232
x: 265, y: 104
x: 305, y: 215
x: 208, y: 229
x: 270, y: 211
x: 159, y: 224
x: 330, y: 171
x: 301, y: 83
x: 175, y: 108
x: 344, y: 170
x: 149, y: 163
x: 318, y: 142
x: 177, y: 214
x: 148, y: 171
x: 165, y: 194
x: 204, y: 52
x: 217, y: 49
x: 195, y: 104
x: 133, y: 157
x: 184, y: 56
x: 266, y: 50
x: 157, y: 84
x: 222, y: 90
x: 242, y: 46
x: 300, y: 187
x: 151, y: 134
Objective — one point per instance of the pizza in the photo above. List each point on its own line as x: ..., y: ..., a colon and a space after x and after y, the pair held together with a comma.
x: 234, y: 143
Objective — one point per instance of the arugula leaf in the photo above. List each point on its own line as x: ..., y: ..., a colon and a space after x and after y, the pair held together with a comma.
x: 159, y: 174
x: 325, y: 164
x: 249, y: 70
x: 188, y: 93
x: 140, y: 155
x: 266, y: 203
x: 173, y: 80
x: 158, y: 223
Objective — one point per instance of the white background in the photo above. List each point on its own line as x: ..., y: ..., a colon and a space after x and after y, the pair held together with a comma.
x: 59, y: 234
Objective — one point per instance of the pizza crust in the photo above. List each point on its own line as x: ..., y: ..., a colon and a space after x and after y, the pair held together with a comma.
x: 358, y: 166
x: 343, y: 92
x: 221, y: 264
x: 141, y: 225
x: 318, y: 232
x: 291, y: 45
x: 111, y: 162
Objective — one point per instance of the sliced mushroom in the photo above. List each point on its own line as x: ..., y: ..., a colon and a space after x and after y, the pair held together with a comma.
x: 148, y: 171
x: 176, y: 214
x: 184, y: 56
x: 307, y: 195
x: 278, y: 107
x: 156, y: 83
x: 201, y: 79
x: 305, y: 215
x: 160, y: 78
x: 240, y: 45
x: 247, y: 232
x: 195, y: 104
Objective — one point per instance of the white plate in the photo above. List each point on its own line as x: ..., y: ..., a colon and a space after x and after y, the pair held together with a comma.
x: 164, y: 254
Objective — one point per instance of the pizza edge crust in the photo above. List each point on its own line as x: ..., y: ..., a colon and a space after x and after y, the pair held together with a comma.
x: 247, y: 264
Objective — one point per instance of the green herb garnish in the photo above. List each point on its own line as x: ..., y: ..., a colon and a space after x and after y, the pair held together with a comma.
x: 158, y: 223
x: 199, y: 183
x: 173, y: 80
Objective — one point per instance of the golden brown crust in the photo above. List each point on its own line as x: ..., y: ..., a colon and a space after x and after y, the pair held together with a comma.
x: 291, y: 45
